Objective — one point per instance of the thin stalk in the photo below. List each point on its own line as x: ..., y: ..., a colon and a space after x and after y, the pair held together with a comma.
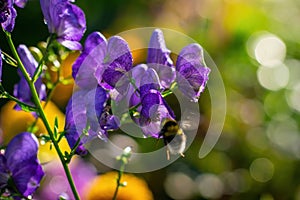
x: 39, y: 68
x: 8, y: 59
x: 124, y: 159
x: 42, y: 115
x: 7, y: 95
x: 119, y: 184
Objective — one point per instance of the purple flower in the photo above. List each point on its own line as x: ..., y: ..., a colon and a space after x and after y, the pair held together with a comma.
x: 102, y: 62
x: 21, y: 89
x: 157, y: 50
x: 21, y: 3
x: 159, y: 59
x: 192, y: 73
x: 8, y: 15
x: 20, y: 163
x: 66, y: 20
x: 84, y: 113
x: 151, y: 106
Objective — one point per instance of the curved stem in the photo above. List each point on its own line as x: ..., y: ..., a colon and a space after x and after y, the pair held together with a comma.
x: 41, y: 113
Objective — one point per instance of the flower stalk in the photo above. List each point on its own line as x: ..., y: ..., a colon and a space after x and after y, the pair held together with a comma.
x: 41, y: 114
x: 124, y: 159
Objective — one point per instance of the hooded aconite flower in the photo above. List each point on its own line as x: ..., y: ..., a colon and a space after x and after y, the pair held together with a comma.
x: 151, y: 107
x: 192, y: 73
x: 192, y: 69
x: 66, y: 20
x: 159, y: 59
x: 19, y: 165
x: 103, y: 187
x: 102, y: 62
x: 8, y: 13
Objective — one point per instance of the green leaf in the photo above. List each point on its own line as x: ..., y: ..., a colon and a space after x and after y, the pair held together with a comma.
x: 61, y: 135
x: 26, y: 108
x: 55, y: 127
x: 33, y: 128
x: 38, y: 71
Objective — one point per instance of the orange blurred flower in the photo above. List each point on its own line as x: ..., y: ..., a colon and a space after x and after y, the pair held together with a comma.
x: 104, y: 186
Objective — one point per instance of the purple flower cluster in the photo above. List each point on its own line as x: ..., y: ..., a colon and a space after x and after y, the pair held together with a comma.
x: 96, y: 71
x: 106, y: 77
x: 107, y: 66
x: 20, y: 170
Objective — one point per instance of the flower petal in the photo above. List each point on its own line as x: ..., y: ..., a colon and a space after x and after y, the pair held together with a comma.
x: 150, y: 104
x: 166, y: 74
x: 191, y: 66
x: 82, y: 114
x: 158, y: 52
x: 66, y: 20
x: 149, y: 80
x: 21, y: 149
x: 72, y: 45
x: 21, y: 155
x: 27, y: 59
x: 45, y: 6
x: 4, y: 174
x: 9, y: 23
x: 21, y: 3
x: 95, y: 101
x: 109, y: 122
x: 76, y: 110
x: 28, y: 177
x: 153, y: 128
x: 118, y: 60
x: 88, y: 68
x: 71, y: 26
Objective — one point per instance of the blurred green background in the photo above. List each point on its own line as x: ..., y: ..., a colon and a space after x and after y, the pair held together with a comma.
x: 255, y: 44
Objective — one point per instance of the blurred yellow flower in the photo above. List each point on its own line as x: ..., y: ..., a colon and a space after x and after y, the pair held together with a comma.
x: 104, y: 186
x: 14, y: 122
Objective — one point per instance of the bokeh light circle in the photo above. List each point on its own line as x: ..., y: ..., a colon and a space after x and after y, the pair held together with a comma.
x: 274, y: 78
x: 262, y: 170
x: 269, y: 50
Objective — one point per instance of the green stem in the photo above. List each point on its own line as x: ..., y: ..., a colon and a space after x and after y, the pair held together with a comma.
x: 120, y: 173
x: 40, y: 110
x: 124, y: 159
x: 7, y: 95
x: 39, y: 68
